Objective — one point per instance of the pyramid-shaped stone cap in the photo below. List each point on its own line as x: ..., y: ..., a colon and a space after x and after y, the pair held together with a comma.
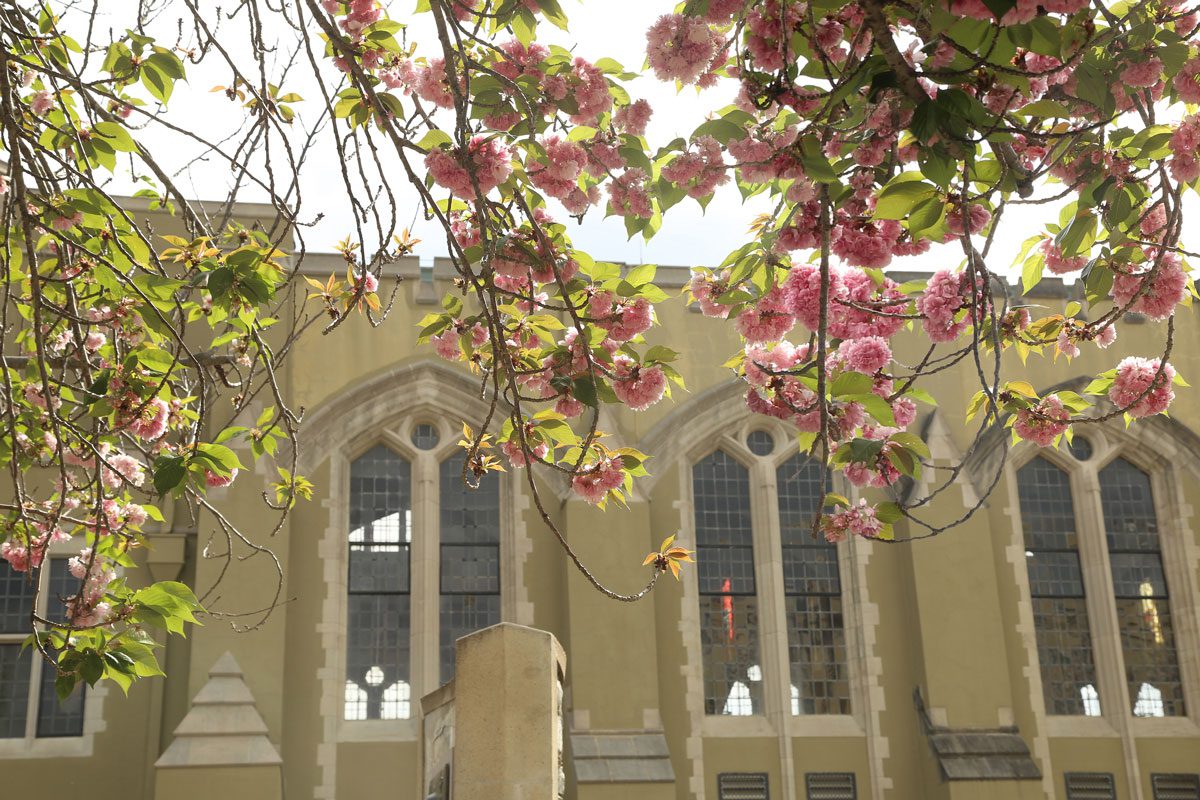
x: 223, y: 727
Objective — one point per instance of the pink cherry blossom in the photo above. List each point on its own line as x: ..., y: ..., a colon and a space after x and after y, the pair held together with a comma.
x: 1142, y: 73
x: 681, y: 48
x: 706, y: 288
x: 904, y: 410
x: 1067, y: 343
x: 1187, y: 81
x: 768, y: 319
x: 594, y: 484
x: 214, y: 480
x: 151, y: 421
x: 634, y: 117
x: 979, y: 217
x: 700, y: 170
x: 628, y: 196
x: 637, y: 386
x: 946, y: 295
x: 489, y: 161
x: 1106, y: 336
x: 590, y: 90
x: 623, y: 319
x: 432, y: 84
x: 1057, y: 263
x: 1167, y: 288
x: 867, y: 355
x: 517, y: 457
x: 1135, y: 377
x: 856, y: 520
x: 41, y: 102
x: 1043, y: 423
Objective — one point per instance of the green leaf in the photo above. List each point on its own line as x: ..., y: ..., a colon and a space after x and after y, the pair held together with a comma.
x: 585, y: 391
x: 816, y: 165
x: 169, y: 472
x: 117, y: 136
x: 642, y: 274
x: 888, y: 512
x: 219, y: 456
x: 921, y: 396
x: 877, y: 407
x: 64, y: 684
x: 901, y: 195
x: 91, y: 668
x: 1031, y: 273
x: 851, y: 383
x: 155, y: 360
x: 660, y: 353
x: 435, y: 138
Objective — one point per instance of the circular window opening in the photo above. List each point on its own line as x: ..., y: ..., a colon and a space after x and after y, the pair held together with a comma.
x: 425, y: 436
x: 1081, y: 448
x: 761, y: 443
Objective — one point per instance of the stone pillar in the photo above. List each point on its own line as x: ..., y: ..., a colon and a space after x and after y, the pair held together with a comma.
x: 508, y: 715
x: 221, y: 747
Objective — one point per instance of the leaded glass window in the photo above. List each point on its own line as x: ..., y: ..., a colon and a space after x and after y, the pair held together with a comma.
x: 725, y: 571
x: 1140, y: 589
x: 469, y: 558
x: 1056, y: 588
x: 379, y: 602
x: 812, y: 595
x: 19, y: 672
x: 58, y: 717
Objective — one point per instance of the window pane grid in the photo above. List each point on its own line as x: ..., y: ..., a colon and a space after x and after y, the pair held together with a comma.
x: 1057, y: 592
x: 16, y: 601
x: 57, y: 718
x: 14, y: 690
x: 728, y: 605
x: 1065, y: 653
x: 1140, y: 587
x: 469, y: 558
x: 820, y: 679
x: 379, y: 607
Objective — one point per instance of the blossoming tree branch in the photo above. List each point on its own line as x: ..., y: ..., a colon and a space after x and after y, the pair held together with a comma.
x: 872, y: 130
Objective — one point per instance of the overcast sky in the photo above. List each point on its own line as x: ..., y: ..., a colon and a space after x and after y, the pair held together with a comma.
x: 614, y: 28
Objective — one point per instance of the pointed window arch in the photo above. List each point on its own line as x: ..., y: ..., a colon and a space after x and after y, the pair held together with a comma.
x: 728, y: 592
x: 1140, y: 589
x: 379, y: 607
x: 812, y: 589
x: 469, y: 557
x: 1060, y: 614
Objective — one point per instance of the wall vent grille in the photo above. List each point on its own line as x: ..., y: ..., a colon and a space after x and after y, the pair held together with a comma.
x: 1090, y: 786
x: 742, y: 786
x: 831, y: 786
x: 1176, y: 786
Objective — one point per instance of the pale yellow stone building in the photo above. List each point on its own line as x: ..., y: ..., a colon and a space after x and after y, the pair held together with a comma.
x: 1047, y: 648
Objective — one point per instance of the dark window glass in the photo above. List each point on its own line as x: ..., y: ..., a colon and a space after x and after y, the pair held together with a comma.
x: 761, y: 443
x: 16, y: 668
x: 379, y: 606
x: 728, y: 606
x: 14, y: 690
x: 1140, y: 586
x: 1056, y: 586
x: 425, y: 436
x: 470, y: 557
x: 16, y: 601
x: 820, y: 680
x: 55, y: 717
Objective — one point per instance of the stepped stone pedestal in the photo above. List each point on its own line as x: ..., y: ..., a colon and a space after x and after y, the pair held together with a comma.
x: 221, y: 747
